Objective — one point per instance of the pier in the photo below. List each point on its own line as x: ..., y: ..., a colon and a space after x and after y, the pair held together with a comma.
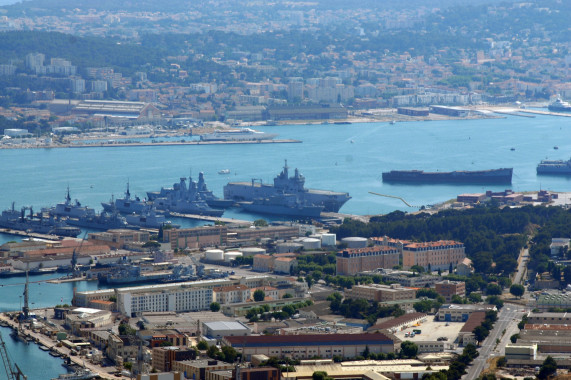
x: 9, y: 231
x: 176, y: 143
x: 62, y: 351
x: 211, y: 218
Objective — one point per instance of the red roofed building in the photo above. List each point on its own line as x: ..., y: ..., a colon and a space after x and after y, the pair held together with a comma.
x: 433, y: 255
x: 310, y: 345
x: 355, y: 260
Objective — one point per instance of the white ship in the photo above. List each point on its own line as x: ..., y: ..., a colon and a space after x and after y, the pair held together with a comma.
x: 242, y: 134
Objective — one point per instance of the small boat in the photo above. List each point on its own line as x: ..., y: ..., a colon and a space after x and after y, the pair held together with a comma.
x: 393, y: 122
x: 224, y: 171
x: 80, y: 374
x: 555, y: 147
x: 44, y: 348
x: 512, y: 149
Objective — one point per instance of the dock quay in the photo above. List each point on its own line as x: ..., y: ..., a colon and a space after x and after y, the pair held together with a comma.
x: 9, y: 231
x: 62, y: 351
x: 176, y: 143
x: 211, y: 218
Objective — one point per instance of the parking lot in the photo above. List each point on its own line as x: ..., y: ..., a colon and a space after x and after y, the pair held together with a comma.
x: 432, y: 330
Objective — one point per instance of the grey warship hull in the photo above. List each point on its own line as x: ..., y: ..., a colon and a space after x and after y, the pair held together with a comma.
x: 331, y: 201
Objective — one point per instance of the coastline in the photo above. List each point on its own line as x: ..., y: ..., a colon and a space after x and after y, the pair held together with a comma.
x: 62, y: 351
x: 380, y: 115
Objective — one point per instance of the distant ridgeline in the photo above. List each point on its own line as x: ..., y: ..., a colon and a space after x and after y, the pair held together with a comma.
x: 82, y: 51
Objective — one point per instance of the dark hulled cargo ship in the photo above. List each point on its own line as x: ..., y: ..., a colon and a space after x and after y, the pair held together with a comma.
x: 503, y: 175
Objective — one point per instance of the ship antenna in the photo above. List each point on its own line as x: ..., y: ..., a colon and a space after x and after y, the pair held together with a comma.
x: 68, y: 198
x: 128, y: 193
x: 26, y: 308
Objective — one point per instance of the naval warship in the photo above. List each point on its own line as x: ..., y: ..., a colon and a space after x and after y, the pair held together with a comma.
x: 331, y: 201
x: 183, y: 199
x: 126, y: 204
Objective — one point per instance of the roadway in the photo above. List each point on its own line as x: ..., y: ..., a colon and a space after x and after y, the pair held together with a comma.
x: 523, y: 259
x: 508, y: 318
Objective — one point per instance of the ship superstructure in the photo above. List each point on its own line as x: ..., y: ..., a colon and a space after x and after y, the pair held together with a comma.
x: 331, y: 201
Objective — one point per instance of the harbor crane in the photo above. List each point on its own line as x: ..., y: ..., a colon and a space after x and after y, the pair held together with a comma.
x: 73, y: 263
x: 13, y: 372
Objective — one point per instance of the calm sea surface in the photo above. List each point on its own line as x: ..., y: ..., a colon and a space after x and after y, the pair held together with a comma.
x: 347, y: 158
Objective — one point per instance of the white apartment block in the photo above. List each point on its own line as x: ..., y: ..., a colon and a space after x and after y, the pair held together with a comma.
x: 177, y: 300
x: 231, y: 294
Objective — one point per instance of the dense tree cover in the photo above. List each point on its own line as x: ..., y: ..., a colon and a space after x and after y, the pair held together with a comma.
x: 81, y: 51
x: 409, y: 349
x: 214, y: 306
x: 517, y: 290
x: 265, y: 313
x: 284, y: 365
x: 259, y: 295
x: 226, y: 354
x: 126, y: 329
x: 548, y: 368
x: 481, y: 332
x: 361, y: 308
x: 322, y: 264
x: 490, y: 234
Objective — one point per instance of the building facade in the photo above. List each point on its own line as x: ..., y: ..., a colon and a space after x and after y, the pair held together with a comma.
x: 381, y: 293
x: 311, y: 345
x: 200, y: 237
x: 448, y: 289
x: 433, y: 255
x: 353, y: 261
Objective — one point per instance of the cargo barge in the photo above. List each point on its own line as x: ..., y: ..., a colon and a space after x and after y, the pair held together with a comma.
x: 502, y: 176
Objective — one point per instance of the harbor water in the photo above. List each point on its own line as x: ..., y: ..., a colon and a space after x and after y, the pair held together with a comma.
x: 347, y: 158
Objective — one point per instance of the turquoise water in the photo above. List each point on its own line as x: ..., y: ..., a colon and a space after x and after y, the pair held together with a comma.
x: 335, y: 157
x: 34, y: 363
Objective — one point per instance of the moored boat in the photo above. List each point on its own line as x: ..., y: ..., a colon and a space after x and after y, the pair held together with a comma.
x: 331, y: 201
x: 503, y: 175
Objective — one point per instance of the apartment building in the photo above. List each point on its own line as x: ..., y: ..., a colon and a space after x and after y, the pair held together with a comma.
x: 355, y: 260
x: 381, y: 293
x: 231, y: 294
x: 433, y: 255
x: 178, y: 300
x: 199, y: 369
x: 448, y: 289
x: 164, y: 357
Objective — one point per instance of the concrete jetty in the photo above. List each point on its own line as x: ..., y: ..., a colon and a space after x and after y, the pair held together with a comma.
x: 211, y: 218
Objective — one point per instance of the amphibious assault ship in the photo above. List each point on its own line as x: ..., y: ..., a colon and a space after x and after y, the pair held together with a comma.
x: 331, y: 201
x: 503, y: 175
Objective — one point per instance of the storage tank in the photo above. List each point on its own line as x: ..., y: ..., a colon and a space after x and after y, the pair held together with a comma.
x: 214, y: 255
x: 311, y: 243
x: 229, y: 256
x: 355, y: 242
x: 328, y: 240
x: 288, y: 247
x: 252, y: 251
